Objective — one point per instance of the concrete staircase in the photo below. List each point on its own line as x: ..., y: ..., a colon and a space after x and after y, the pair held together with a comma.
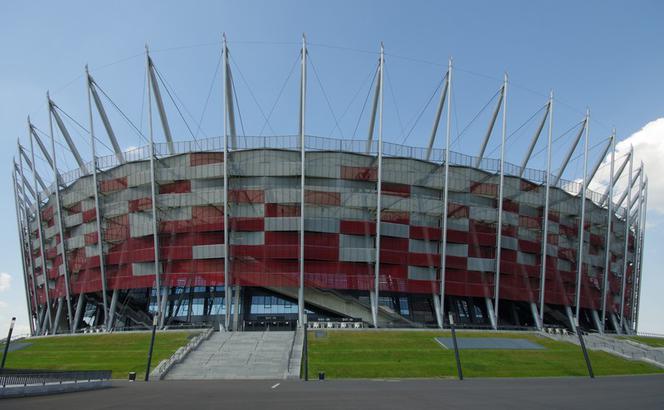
x: 243, y: 355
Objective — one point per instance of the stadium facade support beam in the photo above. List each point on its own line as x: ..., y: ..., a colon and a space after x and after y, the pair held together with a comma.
x: 443, y: 246
x: 607, y: 241
x: 627, y: 192
x: 643, y: 239
x: 23, y: 155
x: 42, y: 147
x: 600, y: 159
x: 572, y: 148
x: 21, y: 237
x: 582, y: 225
x: 228, y: 96
x: 53, y: 113
x: 26, y: 218
x: 536, y: 136
x: 379, y: 193
x: 154, y: 85
x: 95, y: 182
x: 228, y: 290
x: 17, y: 172
x: 92, y: 91
x: 439, y: 112
x: 637, y: 246
x: 501, y: 194
x: 153, y: 186
x: 492, y: 123
x: 58, y: 205
x: 40, y: 232
x: 615, y: 178
x: 372, y: 117
x: 303, y: 100
x: 626, y: 238
x: 547, y: 194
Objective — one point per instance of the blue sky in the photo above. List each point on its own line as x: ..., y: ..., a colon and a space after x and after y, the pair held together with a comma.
x: 606, y: 55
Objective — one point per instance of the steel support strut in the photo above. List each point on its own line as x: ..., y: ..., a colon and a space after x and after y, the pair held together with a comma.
x: 95, y: 182
x: 501, y: 191
x: 545, y: 231
x: 443, y: 245
x: 609, y: 232
x: 582, y: 226
x: 303, y: 95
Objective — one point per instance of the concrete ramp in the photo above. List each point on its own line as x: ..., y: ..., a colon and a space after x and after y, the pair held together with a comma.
x: 242, y: 356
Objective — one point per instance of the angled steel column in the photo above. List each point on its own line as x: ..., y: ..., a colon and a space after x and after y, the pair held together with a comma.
x: 600, y: 159
x: 616, y: 176
x: 27, y: 160
x: 579, y: 255
x: 153, y: 188
x: 637, y: 245
x: 154, y: 85
x: 40, y: 231
x: 98, y: 216
x: 533, y: 142
x: 303, y: 96
x: 545, y: 231
x: 228, y: 289
x: 21, y: 238
x: 228, y: 97
x: 28, y: 233
x: 628, y: 191
x: 569, y: 154
x: 626, y: 248
x: 443, y: 245
x: 53, y: 113
x: 643, y: 238
x: 436, y: 119
x: 58, y: 206
x: 372, y: 118
x: 379, y: 184
x: 92, y: 90
x: 503, y: 92
x: 609, y: 223
x: 499, y: 230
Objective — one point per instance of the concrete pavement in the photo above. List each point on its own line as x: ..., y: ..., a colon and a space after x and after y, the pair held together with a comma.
x: 636, y: 392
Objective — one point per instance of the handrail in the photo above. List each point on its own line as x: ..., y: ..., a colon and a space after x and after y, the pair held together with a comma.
x: 17, y: 377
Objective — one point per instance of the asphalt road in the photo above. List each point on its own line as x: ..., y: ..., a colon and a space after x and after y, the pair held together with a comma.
x: 635, y: 392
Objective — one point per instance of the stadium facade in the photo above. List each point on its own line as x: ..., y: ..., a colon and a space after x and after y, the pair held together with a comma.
x: 246, y: 232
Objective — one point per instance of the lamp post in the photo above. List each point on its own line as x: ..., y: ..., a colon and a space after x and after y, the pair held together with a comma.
x: 9, y: 338
x: 155, y: 319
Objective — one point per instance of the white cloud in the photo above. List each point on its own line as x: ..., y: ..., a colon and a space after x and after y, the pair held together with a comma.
x: 5, y: 281
x: 648, y: 145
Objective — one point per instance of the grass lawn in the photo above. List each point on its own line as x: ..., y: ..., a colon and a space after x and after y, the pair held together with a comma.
x: 647, y: 340
x: 120, y: 352
x: 403, y: 354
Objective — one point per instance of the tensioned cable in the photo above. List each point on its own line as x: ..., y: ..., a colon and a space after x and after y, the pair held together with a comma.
x: 237, y: 104
x: 207, y: 100
x: 83, y: 128
x: 419, y: 116
x: 559, y: 137
x: 365, y: 102
x: 175, y: 104
x: 251, y: 93
x: 327, y: 100
x: 394, y: 101
x: 476, y: 116
x: 352, y: 100
x: 283, y: 87
x: 138, y: 131
x: 518, y: 129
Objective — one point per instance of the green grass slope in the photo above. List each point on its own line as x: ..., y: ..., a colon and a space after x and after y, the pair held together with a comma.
x: 406, y: 354
x: 120, y: 352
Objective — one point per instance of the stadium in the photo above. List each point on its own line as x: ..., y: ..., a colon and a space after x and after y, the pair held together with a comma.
x: 250, y: 232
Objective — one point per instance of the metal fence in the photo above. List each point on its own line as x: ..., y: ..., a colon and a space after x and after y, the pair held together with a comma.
x: 24, y: 377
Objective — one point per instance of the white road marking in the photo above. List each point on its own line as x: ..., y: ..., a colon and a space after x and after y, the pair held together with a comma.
x: 275, y: 386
